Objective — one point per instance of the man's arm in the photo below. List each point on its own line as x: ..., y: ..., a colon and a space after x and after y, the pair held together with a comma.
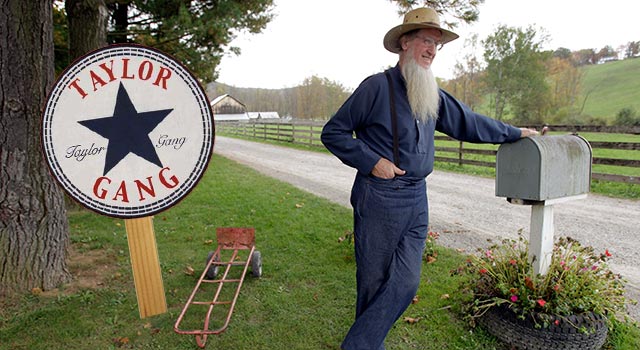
x: 337, y: 134
x: 460, y: 122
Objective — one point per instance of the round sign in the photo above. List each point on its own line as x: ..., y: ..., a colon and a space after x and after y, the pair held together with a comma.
x: 127, y: 131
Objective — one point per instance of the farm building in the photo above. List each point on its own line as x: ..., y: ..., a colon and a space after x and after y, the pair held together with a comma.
x: 228, y: 108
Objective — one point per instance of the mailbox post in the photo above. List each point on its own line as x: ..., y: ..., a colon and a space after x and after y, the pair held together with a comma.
x: 542, y: 171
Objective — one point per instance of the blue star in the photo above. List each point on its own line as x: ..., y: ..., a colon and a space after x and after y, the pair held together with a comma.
x: 127, y: 131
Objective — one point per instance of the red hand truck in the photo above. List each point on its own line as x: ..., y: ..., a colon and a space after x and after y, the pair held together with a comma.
x: 237, y: 247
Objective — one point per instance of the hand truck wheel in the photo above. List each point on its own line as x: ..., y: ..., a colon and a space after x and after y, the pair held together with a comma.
x: 212, y: 272
x: 256, y: 264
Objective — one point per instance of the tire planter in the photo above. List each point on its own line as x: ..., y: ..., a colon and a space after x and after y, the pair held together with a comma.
x: 502, y: 323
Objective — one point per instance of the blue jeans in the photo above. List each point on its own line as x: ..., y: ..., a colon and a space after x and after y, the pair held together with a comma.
x: 391, y: 221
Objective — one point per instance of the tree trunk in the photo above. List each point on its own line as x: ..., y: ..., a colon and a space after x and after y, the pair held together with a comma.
x: 87, y: 25
x: 33, y: 223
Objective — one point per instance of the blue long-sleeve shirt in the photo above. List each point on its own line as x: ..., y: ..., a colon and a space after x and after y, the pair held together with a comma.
x: 367, y: 113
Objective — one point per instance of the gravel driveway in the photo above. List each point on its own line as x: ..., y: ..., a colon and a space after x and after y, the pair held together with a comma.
x: 463, y: 208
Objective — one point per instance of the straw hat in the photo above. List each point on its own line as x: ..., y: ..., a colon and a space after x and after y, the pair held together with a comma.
x: 419, y: 18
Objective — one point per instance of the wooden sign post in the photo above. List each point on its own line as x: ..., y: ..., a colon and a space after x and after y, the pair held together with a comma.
x: 145, y: 264
x: 128, y: 132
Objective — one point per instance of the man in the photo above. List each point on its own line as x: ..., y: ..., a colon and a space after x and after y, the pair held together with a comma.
x: 389, y: 192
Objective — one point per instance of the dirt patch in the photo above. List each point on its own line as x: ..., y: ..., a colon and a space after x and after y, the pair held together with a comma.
x: 90, y: 269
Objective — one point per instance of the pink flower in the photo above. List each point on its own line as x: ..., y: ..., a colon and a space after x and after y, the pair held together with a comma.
x: 513, y: 262
x: 556, y: 322
x: 514, y: 298
x: 541, y: 302
x: 489, y: 254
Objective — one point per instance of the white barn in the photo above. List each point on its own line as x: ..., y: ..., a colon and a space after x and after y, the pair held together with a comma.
x: 227, y: 108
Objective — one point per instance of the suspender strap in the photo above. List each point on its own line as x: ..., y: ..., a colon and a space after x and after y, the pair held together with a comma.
x: 394, y: 121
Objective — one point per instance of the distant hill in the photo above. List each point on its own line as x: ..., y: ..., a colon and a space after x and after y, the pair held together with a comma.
x: 610, y: 87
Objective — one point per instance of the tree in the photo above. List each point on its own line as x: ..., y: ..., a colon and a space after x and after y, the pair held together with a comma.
x: 87, y: 25
x: 606, y: 52
x: 461, y: 11
x: 565, y: 81
x: 467, y: 84
x: 196, y: 33
x: 585, y: 56
x: 60, y: 37
x: 632, y: 49
x: 33, y: 223
x: 516, y: 72
x: 319, y: 98
x: 627, y: 117
x: 562, y: 53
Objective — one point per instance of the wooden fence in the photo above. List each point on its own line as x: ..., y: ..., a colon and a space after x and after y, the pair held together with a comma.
x: 452, y: 151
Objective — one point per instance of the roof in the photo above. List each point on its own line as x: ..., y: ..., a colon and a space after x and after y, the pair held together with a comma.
x: 230, y: 117
x: 217, y: 100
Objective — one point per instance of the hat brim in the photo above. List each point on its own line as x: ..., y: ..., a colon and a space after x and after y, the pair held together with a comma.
x: 391, y: 39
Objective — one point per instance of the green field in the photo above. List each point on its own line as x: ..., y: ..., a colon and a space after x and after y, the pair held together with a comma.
x: 611, y: 87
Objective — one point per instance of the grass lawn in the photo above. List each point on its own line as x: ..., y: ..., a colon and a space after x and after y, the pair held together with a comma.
x: 304, y: 300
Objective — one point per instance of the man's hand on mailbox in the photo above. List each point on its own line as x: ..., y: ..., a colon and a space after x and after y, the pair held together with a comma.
x: 524, y: 132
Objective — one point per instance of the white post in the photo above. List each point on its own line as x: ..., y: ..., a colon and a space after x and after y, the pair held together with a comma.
x: 541, y: 237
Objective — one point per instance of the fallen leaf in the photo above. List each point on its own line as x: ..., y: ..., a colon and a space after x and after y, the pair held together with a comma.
x: 208, y: 242
x: 431, y: 259
x: 189, y: 270
x: 147, y: 325
x: 120, y: 342
x: 444, y: 296
x: 411, y: 320
x: 299, y: 205
x: 415, y: 300
x: 460, y: 250
x: 36, y: 291
x: 118, y: 224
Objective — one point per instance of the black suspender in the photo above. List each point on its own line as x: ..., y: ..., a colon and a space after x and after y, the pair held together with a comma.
x: 394, y: 121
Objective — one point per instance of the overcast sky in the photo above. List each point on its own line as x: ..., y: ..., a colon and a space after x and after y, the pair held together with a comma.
x: 342, y: 39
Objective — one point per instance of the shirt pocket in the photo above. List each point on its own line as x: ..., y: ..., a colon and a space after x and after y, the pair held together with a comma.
x: 423, y: 143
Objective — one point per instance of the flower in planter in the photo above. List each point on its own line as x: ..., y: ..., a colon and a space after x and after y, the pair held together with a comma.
x: 578, y: 281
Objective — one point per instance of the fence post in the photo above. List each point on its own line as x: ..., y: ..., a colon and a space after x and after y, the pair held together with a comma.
x: 460, y: 150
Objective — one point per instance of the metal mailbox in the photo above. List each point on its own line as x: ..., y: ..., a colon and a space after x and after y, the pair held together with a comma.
x: 541, y: 168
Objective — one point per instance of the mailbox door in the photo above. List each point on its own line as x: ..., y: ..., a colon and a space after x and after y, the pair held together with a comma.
x: 518, y: 170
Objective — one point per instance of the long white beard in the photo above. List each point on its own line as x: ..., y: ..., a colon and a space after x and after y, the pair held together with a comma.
x: 422, y: 90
